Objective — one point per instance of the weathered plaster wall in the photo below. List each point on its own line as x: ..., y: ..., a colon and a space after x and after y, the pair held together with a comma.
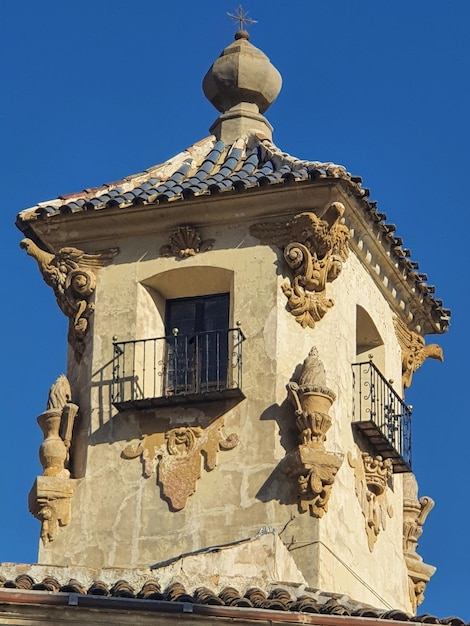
x: 120, y: 516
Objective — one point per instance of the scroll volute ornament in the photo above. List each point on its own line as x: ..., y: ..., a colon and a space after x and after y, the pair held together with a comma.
x: 315, y: 249
x: 313, y: 468
x: 72, y: 275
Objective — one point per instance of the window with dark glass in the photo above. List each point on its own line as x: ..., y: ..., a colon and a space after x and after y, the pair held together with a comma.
x: 197, y: 344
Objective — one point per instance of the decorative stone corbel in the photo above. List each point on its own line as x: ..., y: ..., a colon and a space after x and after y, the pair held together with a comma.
x: 315, y: 249
x: 414, y: 351
x: 186, y: 242
x: 372, y: 474
x: 71, y: 274
x: 313, y: 468
x: 415, y: 513
x: 50, y: 502
x: 50, y: 496
x: 177, y: 454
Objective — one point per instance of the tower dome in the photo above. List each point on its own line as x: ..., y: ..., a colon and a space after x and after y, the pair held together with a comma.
x: 242, y: 84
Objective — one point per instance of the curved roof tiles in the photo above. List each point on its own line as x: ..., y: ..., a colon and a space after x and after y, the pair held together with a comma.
x: 277, y: 599
x: 212, y: 167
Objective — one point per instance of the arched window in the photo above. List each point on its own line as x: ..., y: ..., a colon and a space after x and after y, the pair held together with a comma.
x: 369, y: 343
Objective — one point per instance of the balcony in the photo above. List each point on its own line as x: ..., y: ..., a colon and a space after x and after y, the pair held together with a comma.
x: 381, y: 416
x: 178, y: 369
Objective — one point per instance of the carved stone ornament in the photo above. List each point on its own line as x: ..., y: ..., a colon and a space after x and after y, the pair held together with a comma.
x: 414, y: 351
x: 315, y: 249
x: 50, y: 497
x: 186, y: 242
x: 372, y: 474
x: 415, y: 513
x: 310, y: 465
x: 50, y: 502
x: 71, y: 274
x: 177, y: 454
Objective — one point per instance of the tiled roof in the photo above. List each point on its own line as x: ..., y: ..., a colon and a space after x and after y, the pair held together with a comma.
x: 278, y: 599
x: 211, y: 167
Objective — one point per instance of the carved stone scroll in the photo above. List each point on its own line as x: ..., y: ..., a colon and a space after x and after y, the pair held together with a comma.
x: 186, y: 242
x: 50, y: 497
x: 72, y: 275
x: 176, y: 454
x: 310, y: 465
x: 315, y: 249
x: 415, y: 513
x: 414, y: 351
x: 372, y: 474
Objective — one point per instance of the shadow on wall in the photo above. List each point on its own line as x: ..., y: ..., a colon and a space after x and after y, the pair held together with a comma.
x: 277, y: 487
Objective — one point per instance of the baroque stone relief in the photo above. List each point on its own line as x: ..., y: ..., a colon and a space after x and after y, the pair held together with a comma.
x: 371, y: 476
x: 176, y: 457
x: 414, y: 351
x: 315, y: 249
x: 415, y: 512
x: 50, y: 497
x: 310, y: 465
x: 72, y: 275
x: 185, y: 242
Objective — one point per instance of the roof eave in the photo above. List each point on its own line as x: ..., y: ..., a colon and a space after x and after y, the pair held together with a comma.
x: 373, y: 241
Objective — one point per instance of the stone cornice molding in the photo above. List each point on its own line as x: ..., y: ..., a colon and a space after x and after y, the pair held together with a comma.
x: 373, y: 241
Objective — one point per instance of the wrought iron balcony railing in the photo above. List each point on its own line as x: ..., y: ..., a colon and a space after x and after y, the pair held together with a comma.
x: 177, y: 369
x: 381, y: 416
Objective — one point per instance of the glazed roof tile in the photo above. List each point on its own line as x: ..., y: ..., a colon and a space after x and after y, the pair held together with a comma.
x: 211, y: 167
x: 278, y: 599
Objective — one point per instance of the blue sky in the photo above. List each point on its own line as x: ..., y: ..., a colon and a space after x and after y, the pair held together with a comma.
x: 99, y: 89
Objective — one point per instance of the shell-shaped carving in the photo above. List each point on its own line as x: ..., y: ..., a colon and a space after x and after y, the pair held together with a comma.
x: 185, y: 242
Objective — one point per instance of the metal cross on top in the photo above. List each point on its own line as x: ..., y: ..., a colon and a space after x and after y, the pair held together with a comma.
x: 242, y: 18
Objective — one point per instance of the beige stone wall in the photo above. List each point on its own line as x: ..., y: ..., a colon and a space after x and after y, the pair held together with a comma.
x: 119, y: 516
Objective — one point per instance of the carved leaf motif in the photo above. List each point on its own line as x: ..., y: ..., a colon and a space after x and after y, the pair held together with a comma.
x: 59, y: 393
x: 414, y: 351
x: 307, y: 307
x: 272, y: 233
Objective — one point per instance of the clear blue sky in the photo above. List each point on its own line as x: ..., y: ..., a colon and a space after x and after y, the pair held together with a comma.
x: 99, y: 89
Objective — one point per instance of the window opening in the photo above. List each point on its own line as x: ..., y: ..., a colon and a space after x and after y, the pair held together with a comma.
x: 197, y: 343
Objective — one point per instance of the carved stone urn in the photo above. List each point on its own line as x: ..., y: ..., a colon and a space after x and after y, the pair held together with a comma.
x: 312, y: 404
x: 52, y: 452
x: 310, y: 465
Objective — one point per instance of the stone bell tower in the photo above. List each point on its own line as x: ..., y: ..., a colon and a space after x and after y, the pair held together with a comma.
x: 242, y: 328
